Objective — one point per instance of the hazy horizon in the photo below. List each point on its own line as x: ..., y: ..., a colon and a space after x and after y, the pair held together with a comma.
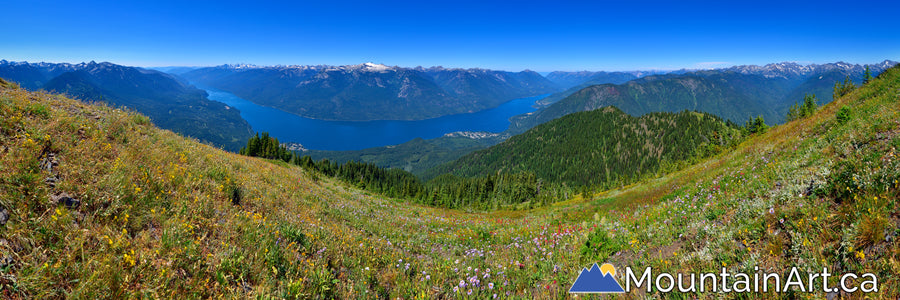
x: 542, y: 72
x: 544, y: 37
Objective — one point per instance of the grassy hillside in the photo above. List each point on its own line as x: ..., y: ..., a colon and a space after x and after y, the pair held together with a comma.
x: 134, y: 211
x: 813, y: 193
x: 147, y: 213
x: 170, y: 103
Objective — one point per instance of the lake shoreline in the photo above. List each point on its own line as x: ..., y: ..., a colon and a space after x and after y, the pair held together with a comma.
x: 338, y: 135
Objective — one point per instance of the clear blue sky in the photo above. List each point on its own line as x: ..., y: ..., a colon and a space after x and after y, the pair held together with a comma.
x: 513, y: 35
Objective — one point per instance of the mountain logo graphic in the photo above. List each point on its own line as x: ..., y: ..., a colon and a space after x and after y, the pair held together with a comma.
x: 599, y: 279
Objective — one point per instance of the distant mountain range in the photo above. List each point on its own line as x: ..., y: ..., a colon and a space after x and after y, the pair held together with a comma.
x: 576, y: 81
x: 174, y: 70
x: 735, y: 93
x: 372, y: 91
x: 568, y: 80
x: 169, y: 102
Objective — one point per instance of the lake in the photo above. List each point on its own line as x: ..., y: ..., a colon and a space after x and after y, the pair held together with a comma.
x: 354, y: 135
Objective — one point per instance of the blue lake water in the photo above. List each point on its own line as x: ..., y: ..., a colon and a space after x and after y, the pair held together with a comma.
x: 354, y: 135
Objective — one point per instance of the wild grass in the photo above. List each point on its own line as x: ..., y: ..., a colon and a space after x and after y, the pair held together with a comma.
x: 162, y: 216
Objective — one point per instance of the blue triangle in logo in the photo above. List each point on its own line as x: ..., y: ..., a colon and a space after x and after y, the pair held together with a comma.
x: 594, y: 281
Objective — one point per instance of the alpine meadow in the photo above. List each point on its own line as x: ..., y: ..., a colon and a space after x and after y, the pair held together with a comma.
x: 449, y: 150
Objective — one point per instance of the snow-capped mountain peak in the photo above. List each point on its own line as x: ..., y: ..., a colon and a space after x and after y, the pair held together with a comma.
x: 793, y: 69
x: 373, y: 67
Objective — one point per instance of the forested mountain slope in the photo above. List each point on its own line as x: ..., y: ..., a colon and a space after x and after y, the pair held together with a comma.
x: 735, y: 93
x: 601, y: 147
x: 372, y: 91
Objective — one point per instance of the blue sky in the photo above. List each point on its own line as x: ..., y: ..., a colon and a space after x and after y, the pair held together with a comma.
x: 541, y: 36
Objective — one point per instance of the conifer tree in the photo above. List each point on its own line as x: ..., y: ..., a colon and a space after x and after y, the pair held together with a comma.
x: 868, y: 75
x: 756, y: 125
x: 841, y: 89
x: 809, y: 105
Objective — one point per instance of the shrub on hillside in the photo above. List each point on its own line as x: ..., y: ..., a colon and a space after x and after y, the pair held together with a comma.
x: 843, y: 115
x: 599, y: 246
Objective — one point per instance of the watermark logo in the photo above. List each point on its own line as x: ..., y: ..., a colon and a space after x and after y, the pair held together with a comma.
x: 597, y: 280
x: 602, y: 279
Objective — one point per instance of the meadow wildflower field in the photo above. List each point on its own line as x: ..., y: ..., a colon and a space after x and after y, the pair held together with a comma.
x: 98, y: 203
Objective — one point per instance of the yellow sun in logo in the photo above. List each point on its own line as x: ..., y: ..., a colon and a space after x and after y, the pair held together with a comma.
x: 608, y: 269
